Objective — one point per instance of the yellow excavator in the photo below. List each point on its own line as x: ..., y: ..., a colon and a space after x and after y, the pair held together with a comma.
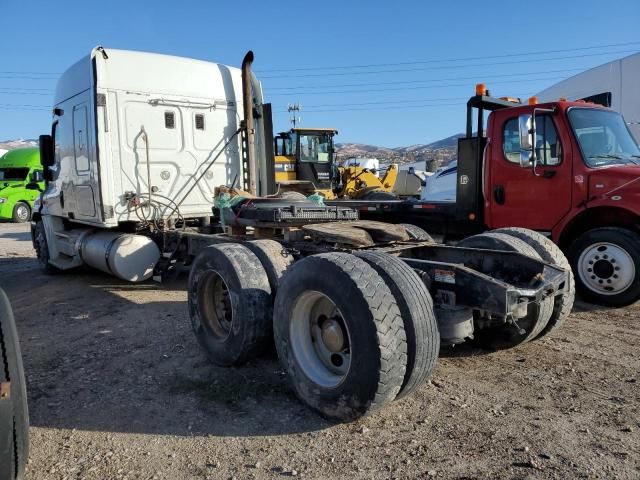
x: 304, y: 162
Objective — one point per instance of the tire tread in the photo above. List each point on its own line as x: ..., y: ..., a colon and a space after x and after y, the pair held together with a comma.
x: 416, y: 307
x: 502, y: 241
x: 385, y: 316
x: 550, y: 253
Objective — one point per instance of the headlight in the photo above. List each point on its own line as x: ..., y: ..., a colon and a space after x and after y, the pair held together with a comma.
x: 3, y: 200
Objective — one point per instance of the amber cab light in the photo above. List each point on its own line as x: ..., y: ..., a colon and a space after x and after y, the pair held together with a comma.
x: 533, y: 100
x: 481, y: 89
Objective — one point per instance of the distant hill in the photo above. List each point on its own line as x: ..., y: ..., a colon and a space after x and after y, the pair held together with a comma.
x: 449, y: 142
x: 19, y: 143
x: 443, y: 151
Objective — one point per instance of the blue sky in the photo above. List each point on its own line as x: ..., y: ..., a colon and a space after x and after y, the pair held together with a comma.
x: 396, y: 102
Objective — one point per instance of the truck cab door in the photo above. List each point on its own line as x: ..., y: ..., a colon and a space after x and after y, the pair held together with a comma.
x: 85, y: 184
x: 314, y: 160
x: 517, y: 196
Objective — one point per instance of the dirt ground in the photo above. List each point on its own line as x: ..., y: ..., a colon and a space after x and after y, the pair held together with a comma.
x: 119, y: 388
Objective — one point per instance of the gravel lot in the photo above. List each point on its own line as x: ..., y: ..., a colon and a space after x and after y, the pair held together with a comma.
x: 118, y: 388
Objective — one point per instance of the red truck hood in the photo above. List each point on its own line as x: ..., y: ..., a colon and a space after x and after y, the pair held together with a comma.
x: 616, y: 181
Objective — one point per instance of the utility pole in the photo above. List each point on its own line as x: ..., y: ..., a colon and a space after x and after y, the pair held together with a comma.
x: 292, y: 109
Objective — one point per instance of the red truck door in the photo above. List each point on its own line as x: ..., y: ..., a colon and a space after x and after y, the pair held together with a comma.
x: 514, y: 196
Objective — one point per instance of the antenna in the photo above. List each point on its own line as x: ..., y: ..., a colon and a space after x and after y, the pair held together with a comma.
x: 292, y: 109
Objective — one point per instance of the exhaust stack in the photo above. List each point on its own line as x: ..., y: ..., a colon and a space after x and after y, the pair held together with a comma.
x: 250, y: 134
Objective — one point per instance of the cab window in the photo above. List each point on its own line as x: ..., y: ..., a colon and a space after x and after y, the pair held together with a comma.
x: 279, y: 146
x: 315, y: 148
x: 14, y: 173
x: 285, y: 144
x: 548, y: 147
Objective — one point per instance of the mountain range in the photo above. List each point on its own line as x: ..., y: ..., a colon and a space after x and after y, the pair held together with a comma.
x: 6, y: 145
x: 444, y: 149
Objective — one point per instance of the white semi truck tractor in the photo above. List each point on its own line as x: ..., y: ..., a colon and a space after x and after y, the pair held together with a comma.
x: 156, y: 161
x: 132, y: 133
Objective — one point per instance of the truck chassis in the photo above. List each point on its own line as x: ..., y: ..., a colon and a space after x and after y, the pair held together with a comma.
x: 357, y: 309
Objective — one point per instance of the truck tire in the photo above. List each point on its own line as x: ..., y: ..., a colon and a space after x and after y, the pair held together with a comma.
x: 41, y: 247
x: 378, y: 195
x: 416, y: 233
x: 330, y: 307
x: 21, y: 212
x: 274, y: 258
x: 230, y: 303
x: 14, y: 415
x: 606, y: 262
x: 418, y: 317
x: 550, y: 253
x: 538, y: 314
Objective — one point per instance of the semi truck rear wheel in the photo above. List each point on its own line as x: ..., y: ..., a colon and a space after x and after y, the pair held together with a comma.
x: 606, y: 262
x: 230, y: 303
x: 340, y: 336
x: 416, y: 308
x: 14, y: 415
x: 538, y: 314
x: 417, y: 233
x: 274, y: 258
x: 551, y: 253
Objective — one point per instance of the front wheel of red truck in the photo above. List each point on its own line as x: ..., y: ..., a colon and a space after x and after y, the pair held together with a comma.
x: 606, y: 262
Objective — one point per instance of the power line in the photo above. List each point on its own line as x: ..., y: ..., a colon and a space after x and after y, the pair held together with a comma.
x: 445, y: 67
x: 28, y: 89
x: 32, y: 73
x: 409, y: 82
x: 427, y: 87
x: 397, y: 107
x: 24, y: 109
x: 22, y: 105
x: 421, y: 62
x: 25, y: 93
x: 30, y: 77
x: 388, y: 102
x: 413, y: 100
x: 396, y: 104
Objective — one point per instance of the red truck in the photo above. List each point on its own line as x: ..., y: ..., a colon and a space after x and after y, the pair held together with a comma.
x: 578, y: 183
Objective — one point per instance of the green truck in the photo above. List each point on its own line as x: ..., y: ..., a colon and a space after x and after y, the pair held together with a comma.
x: 21, y: 181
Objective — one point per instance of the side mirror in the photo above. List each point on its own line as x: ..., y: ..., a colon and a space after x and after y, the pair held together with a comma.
x: 46, y: 151
x: 527, y: 127
x: 47, y: 158
x: 37, y: 176
x: 525, y: 158
x: 527, y: 131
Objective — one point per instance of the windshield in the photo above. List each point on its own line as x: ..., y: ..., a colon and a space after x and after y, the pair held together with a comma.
x: 13, y: 174
x: 603, y: 137
x: 315, y: 148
